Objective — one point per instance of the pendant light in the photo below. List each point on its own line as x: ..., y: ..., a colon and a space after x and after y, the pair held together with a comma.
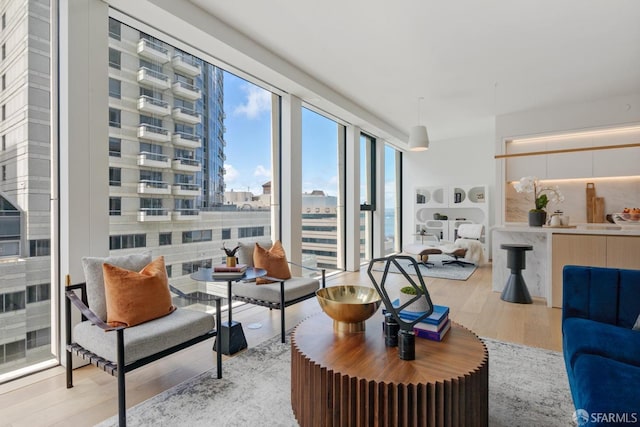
x: 418, y: 138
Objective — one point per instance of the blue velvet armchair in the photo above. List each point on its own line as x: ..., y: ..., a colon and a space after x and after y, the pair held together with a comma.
x: 601, y: 350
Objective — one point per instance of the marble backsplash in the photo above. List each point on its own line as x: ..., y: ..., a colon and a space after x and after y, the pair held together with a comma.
x: 618, y: 193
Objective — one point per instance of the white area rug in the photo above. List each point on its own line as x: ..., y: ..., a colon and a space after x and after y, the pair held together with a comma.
x: 438, y: 271
x: 527, y: 387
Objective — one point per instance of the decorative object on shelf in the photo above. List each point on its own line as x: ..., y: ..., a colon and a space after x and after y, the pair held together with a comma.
x: 418, y: 138
x: 406, y: 335
x: 349, y: 306
x: 542, y: 196
x: 231, y: 255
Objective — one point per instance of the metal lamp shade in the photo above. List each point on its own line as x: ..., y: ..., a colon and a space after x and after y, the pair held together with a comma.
x: 418, y: 139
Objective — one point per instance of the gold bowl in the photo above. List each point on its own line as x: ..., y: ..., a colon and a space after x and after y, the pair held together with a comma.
x: 349, y: 306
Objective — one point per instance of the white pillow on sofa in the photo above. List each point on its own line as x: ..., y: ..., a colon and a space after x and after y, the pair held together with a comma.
x: 636, y: 327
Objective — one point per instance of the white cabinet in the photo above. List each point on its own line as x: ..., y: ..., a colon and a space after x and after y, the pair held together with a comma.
x: 517, y: 167
x: 616, y: 162
x: 570, y: 165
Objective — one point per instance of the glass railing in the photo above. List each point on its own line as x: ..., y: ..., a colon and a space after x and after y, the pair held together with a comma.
x: 188, y: 136
x: 187, y: 162
x: 188, y: 187
x: 188, y: 112
x: 155, y: 46
x: 154, y: 129
x: 155, y: 74
x: 187, y: 59
x: 155, y: 101
x: 188, y: 212
x: 154, y: 184
x: 154, y: 211
x: 154, y: 156
x: 187, y: 86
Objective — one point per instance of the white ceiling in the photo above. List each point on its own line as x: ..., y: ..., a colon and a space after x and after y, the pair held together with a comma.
x: 471, y: 60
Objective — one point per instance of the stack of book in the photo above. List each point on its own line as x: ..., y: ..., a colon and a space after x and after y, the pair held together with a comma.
x: 433, y: 327
x: 222, y: 271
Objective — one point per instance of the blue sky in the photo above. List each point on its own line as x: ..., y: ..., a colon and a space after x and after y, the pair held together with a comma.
x: 248, y: 136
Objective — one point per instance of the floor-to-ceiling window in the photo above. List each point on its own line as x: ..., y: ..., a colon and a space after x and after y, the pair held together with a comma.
x: 392, y: 201
x: 194, y: 153
x: 367, y: 195
x: 322, y: 198
x: 25, y: 189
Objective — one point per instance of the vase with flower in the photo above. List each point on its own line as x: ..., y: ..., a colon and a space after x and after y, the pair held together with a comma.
x: 542, y: 196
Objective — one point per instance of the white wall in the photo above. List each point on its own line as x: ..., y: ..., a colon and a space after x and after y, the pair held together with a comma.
x: 465, y: 161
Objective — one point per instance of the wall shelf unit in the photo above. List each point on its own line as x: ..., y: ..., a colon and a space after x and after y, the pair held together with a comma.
x: 459, y: 203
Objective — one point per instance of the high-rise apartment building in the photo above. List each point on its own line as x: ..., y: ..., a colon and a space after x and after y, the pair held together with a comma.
x: 166, y: 156
x: 25, y: 184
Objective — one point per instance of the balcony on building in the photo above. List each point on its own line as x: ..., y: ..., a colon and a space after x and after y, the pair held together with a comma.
x: 152, y: 78
x: 153, y: 160
x: 186, y: 140
x: 186, y: 214
x: 153, y: 106
x: 186, y: 165
x: 153, y: 187
x: 187, y: 91
x: 185, y: 189
x: 153, y: 133
x: 185, y: 65
x: 153, y: 51
x: 186, y: 115
x: 150, y: 214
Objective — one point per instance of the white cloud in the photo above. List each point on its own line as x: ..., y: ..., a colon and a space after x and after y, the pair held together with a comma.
x: 257, y: 101
x: 262, y: 171
x: 231, y: 174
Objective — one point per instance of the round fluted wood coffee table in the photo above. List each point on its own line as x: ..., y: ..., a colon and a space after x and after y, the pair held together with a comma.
x: 355, y: 380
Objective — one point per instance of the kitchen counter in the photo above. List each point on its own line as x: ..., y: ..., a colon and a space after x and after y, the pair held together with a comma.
x: 542, y: 278
x: 604, y: 228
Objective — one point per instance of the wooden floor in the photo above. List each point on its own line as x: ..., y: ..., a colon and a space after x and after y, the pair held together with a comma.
x: 43, y: 400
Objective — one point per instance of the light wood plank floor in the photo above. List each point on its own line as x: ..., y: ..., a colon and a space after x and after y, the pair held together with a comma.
x: 43, y: 400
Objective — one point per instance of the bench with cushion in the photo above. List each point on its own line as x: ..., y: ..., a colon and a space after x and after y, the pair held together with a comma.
x: 113, y: 346
x: 279, y: 294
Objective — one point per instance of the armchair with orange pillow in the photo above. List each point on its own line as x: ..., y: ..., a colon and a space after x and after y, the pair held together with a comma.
x: 278, y: 289
x: 129, y: 320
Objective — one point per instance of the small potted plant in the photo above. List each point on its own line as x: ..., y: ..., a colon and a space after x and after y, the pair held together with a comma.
x: 408, y: 293
x: 231, y: 255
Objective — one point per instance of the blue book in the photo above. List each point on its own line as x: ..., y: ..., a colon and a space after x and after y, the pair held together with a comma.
x: 439, y: 313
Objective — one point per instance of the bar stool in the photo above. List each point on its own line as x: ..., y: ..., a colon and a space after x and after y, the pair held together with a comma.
x: 515, y: 290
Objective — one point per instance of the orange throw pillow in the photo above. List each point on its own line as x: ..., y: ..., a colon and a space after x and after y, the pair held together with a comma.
x: 273, y: 260
x: 136, y: 297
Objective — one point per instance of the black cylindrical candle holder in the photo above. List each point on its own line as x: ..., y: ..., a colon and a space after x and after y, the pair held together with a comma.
x: 391, y: 329
x: 407, y: 345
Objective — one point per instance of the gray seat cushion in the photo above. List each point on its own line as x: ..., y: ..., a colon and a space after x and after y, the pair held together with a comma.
x: 94, y: 277
x: 294, y: 288
x: 147, y: 338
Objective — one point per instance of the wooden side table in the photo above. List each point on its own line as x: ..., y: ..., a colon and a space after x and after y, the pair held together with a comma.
x: 354, y: 379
